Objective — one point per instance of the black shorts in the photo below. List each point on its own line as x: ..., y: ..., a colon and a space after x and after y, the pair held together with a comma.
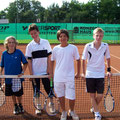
x: 95, y: 85
x: 9, y: 92
x: 45, y: 82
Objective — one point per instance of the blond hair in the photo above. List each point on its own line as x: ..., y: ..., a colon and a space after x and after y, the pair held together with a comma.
x: 98, y: 30
x: 7, y: 40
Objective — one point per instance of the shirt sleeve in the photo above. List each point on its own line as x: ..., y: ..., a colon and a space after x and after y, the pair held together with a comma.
x: 2, y: 61
x: 76, y: 53
x: 49, y: 49
x: 53, y: 55
x: 24, y: 61
x: 107, y: 52
x: 28, y: 52
x: 85, y: 51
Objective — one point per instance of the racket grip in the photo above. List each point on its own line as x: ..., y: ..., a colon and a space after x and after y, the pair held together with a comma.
x: 0, y: 82
x: 51, y: 82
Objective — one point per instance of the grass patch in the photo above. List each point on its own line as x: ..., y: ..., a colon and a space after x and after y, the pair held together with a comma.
x: 82, y: 41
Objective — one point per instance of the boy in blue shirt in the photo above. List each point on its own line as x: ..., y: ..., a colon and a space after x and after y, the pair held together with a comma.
x: 11, y: 63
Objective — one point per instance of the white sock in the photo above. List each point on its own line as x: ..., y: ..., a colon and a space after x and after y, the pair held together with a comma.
x: 97, y: 114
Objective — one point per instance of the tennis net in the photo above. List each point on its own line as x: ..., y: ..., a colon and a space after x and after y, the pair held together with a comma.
x: 82, y: 105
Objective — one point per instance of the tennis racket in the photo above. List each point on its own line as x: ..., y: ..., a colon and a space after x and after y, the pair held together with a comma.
x: 38, y: 98
x: 109, y: 102
x: 2, y: 94
x: 52, y: 103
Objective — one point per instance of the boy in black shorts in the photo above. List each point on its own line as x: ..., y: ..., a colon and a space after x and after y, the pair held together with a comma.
x: 13, y: 62
x: 38, y: 53
x: 94, y: 53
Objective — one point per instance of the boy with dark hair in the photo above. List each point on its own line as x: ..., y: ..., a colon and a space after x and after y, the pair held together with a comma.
x: 64, y: 75
x: 38, y: 52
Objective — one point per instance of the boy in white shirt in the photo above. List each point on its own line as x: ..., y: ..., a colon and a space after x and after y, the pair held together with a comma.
x: 64, y: 54
x: 38, y: 52
x: 94, y: 53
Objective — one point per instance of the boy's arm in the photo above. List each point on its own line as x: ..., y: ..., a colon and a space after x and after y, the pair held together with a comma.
x: 52, y: 68
x: 78, y: 68
x: 49, y: 65
x: 83, y: 68
x: 108, y: 62
x: 24, y: 66
x: 1, y: 69
x: 30, y: 66
x: 109, y: 74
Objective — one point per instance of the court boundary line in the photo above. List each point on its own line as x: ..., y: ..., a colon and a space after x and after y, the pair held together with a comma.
x: 113, y: 68
x: 115, y: 56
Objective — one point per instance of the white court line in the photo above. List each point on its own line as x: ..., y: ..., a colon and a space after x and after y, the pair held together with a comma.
x: 115, y: 56
x: 114, y: 68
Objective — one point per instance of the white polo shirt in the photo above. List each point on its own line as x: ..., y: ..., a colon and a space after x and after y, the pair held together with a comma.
x: 38, y: 53
x: 64, y: 57
x: 95, y: 60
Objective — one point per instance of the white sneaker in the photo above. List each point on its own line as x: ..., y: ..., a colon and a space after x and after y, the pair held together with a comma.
x: 39, y: 107
x: 92, y: 109
x: 64, y: 115
x: 97, y: 117
x: 51, y: 107
x: 73, y: 115
x: 38, y: 112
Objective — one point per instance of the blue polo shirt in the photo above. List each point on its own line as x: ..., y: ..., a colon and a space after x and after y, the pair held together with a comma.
x: 12, y: 63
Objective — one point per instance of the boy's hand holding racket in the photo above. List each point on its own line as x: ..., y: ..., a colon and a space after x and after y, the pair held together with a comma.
x: 109, y: 74
x: 22, y: 73
x: 77, y: 75
x: 83, y: 76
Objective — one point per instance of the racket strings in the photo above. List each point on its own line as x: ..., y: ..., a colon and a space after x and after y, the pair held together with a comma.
x: 2, y: 98
x: 2, y: 94
x: 52, y: 106
x: 39, y: 101
x: 109, y: 103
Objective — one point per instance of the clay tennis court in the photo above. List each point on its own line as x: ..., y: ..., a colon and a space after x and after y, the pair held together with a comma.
x: 82, y: 106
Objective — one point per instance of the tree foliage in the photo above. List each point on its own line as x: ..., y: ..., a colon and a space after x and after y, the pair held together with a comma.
x: 95, y: 11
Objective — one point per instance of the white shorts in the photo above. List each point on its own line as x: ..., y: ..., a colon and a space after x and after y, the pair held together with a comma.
x: 66, y: 89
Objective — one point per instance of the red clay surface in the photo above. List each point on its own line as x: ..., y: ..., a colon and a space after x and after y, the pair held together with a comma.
x: 82, y: 98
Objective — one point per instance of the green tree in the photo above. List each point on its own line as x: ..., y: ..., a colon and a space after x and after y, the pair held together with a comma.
x: 38, y: 10
x: 52, y: 13
x: 12, y: 12
x: 2, y: 14
x: 74, y: 9
x: 90, y: 12
x: 95, y: 11
x: 107, y: 11
x: 64, y: 10
x: 25, y: 11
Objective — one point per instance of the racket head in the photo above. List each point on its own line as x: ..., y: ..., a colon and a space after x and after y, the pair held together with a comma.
x: 52, y: 106
x: 2, y: 95
x: 109, y: 102
x: 38, y: 99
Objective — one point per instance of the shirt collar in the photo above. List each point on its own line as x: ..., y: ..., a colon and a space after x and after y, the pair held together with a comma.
x: 37, y: 43
x: 92, y: 45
